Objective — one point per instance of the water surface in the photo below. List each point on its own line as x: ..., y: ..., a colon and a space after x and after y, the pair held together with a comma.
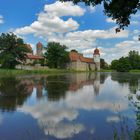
x: 85, y: 106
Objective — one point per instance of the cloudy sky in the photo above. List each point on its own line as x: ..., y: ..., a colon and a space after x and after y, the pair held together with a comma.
x: 79, y: 27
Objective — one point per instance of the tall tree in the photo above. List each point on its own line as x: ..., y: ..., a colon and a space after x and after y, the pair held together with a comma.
x: 56, y: 55
x: 134, y: 59
x: 119, y: 10
x: 12, y: 50
x: 123, y: 65
x: 103, y: 64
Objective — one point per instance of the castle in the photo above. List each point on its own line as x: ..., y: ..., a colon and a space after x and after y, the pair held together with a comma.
x: 77, y: 60
x: 81, y: 63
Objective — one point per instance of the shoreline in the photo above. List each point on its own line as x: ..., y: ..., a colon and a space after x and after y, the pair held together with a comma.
x: 14, y: 72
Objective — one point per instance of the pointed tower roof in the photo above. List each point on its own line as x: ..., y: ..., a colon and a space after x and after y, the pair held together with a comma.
x: 96, y: 51
x: 39, y: 45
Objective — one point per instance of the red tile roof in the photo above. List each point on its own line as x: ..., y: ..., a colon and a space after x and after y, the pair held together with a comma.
x: 74, y: 56
x: 30, y: 56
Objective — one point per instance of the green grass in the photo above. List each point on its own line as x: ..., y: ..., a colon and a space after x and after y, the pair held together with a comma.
x: 14, y: 72
x: 10, y: 72
x: 135, y: 71
x: 103, y: 70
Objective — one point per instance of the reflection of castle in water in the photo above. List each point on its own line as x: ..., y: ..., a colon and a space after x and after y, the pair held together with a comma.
x: 78, y: 81
x: 53, y: 87
x: 57, y: 85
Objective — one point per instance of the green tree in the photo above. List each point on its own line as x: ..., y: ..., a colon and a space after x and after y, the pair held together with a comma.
x: 56, y: 55
x: 119, y: 10
x: 123, y: 65
x: 134, y: 59
x: 114, y: 64
x: 12, y: 50
x: 103, y: 64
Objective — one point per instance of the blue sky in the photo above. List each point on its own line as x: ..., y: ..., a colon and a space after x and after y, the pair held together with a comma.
x: 77, y: 26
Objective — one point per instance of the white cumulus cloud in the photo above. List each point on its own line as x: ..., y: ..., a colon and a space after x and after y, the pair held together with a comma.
x: 86, y: 39
x: 110, y: 20
x: 49, y: 21
x: 60, y: 9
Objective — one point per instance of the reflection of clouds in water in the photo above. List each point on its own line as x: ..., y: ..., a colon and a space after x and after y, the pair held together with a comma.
x: 50, y: 112
x: 135, y: 98
x: 1, y: 119
x: 50, y: 116
x: 113, y: 119
x: 81, y: 99
x: 62, y: 130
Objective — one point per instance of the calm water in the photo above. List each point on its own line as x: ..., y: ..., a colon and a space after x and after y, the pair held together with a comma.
x: 97, y: 106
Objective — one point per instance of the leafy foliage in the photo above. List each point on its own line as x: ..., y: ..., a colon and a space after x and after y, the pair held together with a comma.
x: 119, y: 10
x: 125, y: 64
x: 103, y: 64
x: 56, y: 55
x: 12, y: 50
x: 134, y: 59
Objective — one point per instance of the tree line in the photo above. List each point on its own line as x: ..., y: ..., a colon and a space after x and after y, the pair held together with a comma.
x: 13, y: 51
x: 125, y: 64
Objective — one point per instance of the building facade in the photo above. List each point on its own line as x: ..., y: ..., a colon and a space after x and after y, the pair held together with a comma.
x: 80, y: 63
x: 35, y: 59
x: 77, y: 61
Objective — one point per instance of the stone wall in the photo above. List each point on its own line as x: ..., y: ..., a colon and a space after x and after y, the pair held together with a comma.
x: 36, y: 67
x: 81, y: 66
x: 92, y: 67
x: 97, y: 66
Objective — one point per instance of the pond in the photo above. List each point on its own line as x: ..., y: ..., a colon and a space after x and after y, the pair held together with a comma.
x: 84, y: 106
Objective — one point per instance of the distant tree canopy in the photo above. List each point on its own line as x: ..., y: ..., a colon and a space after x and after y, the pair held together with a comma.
x: 103, y: 64
x: 119, y: 10
x: 124, y: 64
x: 12, y: 50
x: 56, y: 55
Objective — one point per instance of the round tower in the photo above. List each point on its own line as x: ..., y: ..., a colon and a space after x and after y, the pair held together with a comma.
x: 39, y: 48
x: 96, y: 57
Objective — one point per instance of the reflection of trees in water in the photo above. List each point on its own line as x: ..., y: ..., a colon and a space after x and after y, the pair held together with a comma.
x: 103, y: 77
x: 133, y: 80
x: 57, y: 86
x: 136, y: 134
x: 15, y: 90
x: 13, y: 93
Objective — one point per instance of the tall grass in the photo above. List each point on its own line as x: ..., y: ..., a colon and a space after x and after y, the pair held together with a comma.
x: 14, y: 72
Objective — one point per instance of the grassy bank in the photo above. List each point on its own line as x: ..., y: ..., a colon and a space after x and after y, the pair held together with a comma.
x: 102, y: 70
x: 135, y: 71
x: 12, y: 72
x: 9, y: 72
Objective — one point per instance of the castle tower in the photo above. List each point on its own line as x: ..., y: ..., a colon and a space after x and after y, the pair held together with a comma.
x: 96, y: 57
x: 39, y: 48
